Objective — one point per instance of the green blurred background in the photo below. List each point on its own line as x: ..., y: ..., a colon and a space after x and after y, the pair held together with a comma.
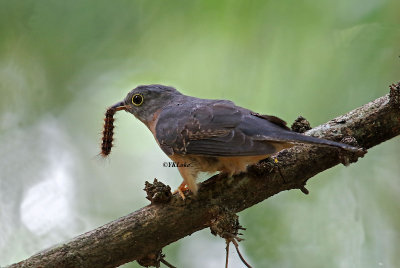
x: 63, y: 62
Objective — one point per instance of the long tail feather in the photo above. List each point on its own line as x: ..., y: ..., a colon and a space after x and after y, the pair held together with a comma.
x: 301, y: 138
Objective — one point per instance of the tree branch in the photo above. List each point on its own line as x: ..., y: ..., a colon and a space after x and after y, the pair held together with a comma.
x: 148, y: 230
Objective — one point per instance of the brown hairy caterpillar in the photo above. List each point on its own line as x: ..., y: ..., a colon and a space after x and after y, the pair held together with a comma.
x: 108, y: 132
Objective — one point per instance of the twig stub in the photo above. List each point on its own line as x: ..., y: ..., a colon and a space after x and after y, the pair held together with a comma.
x: 154, y: 259
x: 300, y: 125
x: 394, y: 95
x: 157, y: 192
x: 226, y: 225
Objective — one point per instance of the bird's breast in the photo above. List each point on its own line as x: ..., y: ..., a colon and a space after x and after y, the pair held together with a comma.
x: 210, y: 164
x: 153, y: 123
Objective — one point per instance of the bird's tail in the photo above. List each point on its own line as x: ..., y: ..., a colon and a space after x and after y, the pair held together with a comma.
x: 301, y: 138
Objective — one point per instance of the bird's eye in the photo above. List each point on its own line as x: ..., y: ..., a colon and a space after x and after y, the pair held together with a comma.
x: 137, y: 99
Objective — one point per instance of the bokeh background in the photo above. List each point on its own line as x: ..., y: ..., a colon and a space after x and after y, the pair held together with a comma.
x: 63, y: 62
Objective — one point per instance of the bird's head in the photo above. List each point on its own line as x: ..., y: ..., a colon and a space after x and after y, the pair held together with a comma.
x: 146, y: 100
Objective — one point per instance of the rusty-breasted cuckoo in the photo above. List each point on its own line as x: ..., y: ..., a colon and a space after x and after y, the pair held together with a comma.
x: 210, y: 135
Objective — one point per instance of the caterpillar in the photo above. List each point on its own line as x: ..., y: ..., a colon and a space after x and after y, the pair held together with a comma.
x: 108, y: 132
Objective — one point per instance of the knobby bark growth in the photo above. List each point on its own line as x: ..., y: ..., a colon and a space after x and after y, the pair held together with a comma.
x: 142, y: 234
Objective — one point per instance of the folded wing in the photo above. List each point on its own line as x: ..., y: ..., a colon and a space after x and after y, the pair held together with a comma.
x: 220, y: 128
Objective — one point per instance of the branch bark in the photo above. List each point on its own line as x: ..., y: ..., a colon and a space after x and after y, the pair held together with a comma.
x: 148, y: 230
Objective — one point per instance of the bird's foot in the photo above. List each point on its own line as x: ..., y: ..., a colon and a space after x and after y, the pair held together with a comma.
x: 183, y: 187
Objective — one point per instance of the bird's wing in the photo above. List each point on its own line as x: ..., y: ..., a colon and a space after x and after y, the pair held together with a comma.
x: 217, y: 128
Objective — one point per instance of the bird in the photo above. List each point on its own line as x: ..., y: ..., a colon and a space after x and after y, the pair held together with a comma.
x: 210, y: 135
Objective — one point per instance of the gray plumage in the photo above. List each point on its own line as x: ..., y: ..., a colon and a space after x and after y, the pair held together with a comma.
x: 192, y: 126
x: 210, y: 135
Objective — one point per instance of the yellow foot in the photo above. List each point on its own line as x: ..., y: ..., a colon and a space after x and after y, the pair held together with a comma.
x: 183, y: 187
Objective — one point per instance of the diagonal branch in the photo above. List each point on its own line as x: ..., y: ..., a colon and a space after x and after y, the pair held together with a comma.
x: 151, y: 228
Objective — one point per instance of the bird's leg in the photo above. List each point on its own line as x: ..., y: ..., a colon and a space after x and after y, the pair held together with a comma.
x: 189, y: 175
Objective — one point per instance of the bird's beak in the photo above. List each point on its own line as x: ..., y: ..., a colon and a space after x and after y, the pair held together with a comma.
x: 119, y: 106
